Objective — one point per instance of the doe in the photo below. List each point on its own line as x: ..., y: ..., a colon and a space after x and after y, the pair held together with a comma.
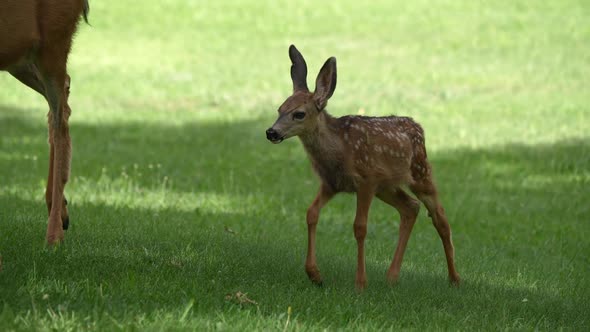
x: 369, y: 156
x: 35, y: 40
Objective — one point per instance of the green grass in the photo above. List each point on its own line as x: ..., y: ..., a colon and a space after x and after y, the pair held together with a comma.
x: 170, y: 102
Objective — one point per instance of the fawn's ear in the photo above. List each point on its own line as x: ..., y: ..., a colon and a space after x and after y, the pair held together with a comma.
x: 298, y: 70
x: 325, y: 84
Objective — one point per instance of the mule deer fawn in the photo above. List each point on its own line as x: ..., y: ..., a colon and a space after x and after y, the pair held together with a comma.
x: 369, y: 156
x: 35, y: 40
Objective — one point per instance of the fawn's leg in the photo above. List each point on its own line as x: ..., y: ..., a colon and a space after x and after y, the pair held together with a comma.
x: 313, y: 215
x: 408, y: 209
x: 425, y: 190
x: 364, y: 196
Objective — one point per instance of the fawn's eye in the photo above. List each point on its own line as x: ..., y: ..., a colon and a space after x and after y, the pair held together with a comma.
x: 298, y: 115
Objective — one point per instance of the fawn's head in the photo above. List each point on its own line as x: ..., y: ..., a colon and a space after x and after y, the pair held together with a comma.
x: 299, y: 113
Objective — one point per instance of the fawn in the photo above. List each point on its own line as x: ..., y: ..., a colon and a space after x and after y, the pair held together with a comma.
x: 35, y: 40
x: 369, y: 156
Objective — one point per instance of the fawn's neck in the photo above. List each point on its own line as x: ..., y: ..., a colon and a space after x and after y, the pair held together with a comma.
x: 326, y: 151
x: 323, y: 140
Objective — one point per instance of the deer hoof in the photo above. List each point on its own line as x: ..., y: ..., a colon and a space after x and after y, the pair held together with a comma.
x: 392, y: 280
x: 313, y: 273
x: 360, y: 285
x: 65, y: 223
x: 360, y: 288
x: 54, y: 239
x: 455, y: 280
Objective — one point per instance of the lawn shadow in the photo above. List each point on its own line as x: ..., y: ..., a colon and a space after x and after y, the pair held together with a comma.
x: 161, y: 259
x: 241, y: 151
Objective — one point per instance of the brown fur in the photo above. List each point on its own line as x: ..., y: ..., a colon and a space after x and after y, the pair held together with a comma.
x: 370, y: 156
x: 35, y: 40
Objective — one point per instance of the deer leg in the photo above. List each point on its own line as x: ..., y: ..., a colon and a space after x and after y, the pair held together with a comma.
x: 29, y: 75
x: 313, y: 215
x: 425, y: 190
x: 65, y: 218
x: 49, y: 188
x: 54, y: 78
x: 408, y: 209
x: 364, y: 196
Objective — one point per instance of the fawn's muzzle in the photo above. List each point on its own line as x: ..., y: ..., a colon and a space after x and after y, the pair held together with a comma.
x: 273, y: 136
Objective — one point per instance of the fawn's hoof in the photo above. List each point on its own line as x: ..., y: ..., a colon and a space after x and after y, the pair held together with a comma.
x: 360, y: 285
x: 455, y: 280
x: 318, y: 283
x: 54, y: 239
x: 313, y: 273
x: 392, y: 280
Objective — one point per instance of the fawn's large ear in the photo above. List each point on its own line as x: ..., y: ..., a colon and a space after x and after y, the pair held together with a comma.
x: 325, y: 84
x: 298, y: 70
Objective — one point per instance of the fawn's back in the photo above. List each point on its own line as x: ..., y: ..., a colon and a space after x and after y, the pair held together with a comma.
x: 389, y: 150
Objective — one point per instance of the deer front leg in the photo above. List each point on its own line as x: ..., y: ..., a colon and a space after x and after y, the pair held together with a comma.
x: 313, y: 215
x: 364, y: 196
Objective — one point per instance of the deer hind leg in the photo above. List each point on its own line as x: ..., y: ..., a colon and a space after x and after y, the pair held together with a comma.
x: 408, y: 209
x: 29, y: 75
x: 52, y: 65
x: 65, y: 217
x: 425, y: 190
x: 313, y: 215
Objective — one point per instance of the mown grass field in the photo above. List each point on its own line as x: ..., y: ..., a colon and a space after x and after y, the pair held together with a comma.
x: 177, y: 199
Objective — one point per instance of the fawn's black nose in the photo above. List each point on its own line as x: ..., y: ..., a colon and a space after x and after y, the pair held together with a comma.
x: 272, y: 134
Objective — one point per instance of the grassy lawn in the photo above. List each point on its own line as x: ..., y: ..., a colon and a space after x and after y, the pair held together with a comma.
x: 178, y: 202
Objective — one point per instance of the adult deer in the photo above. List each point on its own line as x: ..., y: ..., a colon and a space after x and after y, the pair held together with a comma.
x: 35, y: 40
x: 369, y: 156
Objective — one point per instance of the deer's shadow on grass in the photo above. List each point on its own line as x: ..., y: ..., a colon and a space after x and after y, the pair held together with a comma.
x: 138, y: 259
